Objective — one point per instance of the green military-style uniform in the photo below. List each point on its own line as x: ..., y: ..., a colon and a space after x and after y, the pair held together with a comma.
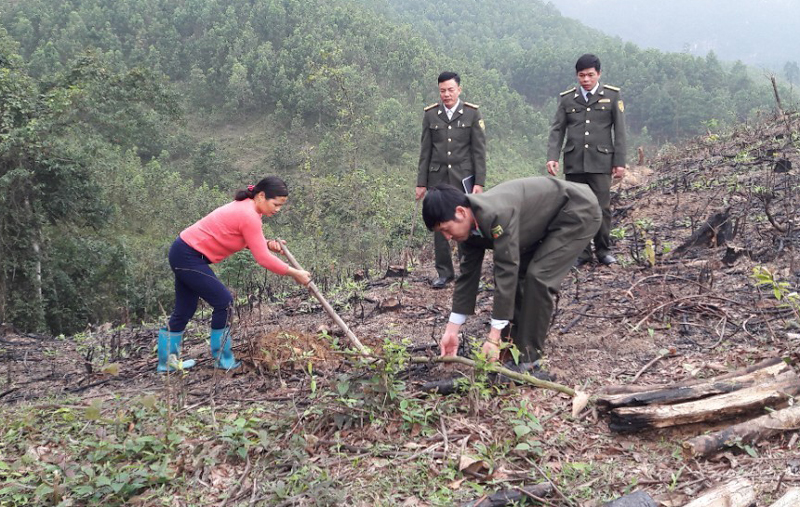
x: 595, y: 143
x: 536, y: 227
x: 451, y: 150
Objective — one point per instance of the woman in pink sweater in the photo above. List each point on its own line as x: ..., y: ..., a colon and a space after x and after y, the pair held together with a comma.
x: 221, y: 233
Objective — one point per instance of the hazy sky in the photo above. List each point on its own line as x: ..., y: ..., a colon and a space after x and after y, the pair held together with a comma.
x: 758, y: 32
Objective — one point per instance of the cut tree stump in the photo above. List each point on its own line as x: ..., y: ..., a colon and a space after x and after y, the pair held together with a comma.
x: 638, y: 499
x: 626, y: 389
x: 790, y: 499
x: 716, y: 231
x: 677, y: 393
x: 747, y: 432
x: 512, y: 496
x: 771, y: 393
x: 738, y: 493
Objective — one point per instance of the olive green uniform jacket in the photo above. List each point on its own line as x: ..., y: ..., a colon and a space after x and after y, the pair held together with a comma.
x: 595, y: 143
x: 452, y: 149
x: 536, y: 227
x: 594, y: 131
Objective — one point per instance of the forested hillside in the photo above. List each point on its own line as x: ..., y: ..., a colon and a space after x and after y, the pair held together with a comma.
x: 124, y: 122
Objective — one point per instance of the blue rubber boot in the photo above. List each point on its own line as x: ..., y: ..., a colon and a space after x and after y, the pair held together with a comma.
x: 169, y: 351
x: 221, y: 349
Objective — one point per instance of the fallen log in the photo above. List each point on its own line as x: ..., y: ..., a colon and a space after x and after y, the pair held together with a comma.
x: 770, y: 393
x: 790, y: 499
x: 637, y: 499
x: 513, y: 496
x: 623, y: 389
x: 676, y: 393
x: 737, y: 493
x: 747, y: 432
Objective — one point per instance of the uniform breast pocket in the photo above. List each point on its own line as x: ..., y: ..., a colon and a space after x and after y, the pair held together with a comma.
x: 575, y: 117
x: 461, y: 130
x: 437, y: 132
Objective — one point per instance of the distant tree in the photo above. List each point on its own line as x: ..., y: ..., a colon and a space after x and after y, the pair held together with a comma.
x: 54, y: 138
x: 792, y: 72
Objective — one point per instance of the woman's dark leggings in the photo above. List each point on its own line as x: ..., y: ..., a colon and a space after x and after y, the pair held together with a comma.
x: 194, y: 279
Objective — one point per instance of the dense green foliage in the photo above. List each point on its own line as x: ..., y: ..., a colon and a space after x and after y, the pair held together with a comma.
x: 99, y: 172
x: 534, y: 49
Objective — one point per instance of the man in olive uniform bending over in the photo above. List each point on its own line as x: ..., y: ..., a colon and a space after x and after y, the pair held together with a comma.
x: 453, y: 151
x: 592, y: 119
x: 536, y: 227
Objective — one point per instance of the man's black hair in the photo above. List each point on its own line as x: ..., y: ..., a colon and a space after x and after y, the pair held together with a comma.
x: 440, y: 204
x: 447, y: 76
x: 587, y: 61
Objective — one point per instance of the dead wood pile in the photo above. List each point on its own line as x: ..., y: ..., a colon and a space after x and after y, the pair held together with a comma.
x: 771, y: 384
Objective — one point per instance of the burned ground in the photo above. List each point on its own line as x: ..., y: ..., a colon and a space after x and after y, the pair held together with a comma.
x: 319, y: 426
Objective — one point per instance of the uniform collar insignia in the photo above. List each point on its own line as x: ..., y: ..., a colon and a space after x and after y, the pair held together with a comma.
x: 439, y: 111
x: 461, y: 111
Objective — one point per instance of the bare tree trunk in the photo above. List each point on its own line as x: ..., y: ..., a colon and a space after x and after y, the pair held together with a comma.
x: 37, y: 256
x: 777, y: 96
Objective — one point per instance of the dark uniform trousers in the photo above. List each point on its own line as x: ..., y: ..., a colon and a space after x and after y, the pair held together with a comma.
x: 536, y: 227
x: 601, y: 187
x: 541, y: 273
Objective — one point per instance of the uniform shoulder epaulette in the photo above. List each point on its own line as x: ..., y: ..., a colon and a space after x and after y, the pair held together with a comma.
x: 568, y: 91
x: 615, y: 88
x: 431, y: 107
x: 473, y: 106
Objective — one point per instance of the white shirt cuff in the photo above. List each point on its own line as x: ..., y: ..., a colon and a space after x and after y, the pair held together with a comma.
x: 457, y: 318
x: 499, y: 324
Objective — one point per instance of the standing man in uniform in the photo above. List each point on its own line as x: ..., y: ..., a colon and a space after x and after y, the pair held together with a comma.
x: 454, y: 152
x: 536, y: 227
x: 592, y: 118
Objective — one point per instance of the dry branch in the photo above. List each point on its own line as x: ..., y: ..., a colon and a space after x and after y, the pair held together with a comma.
x: 790, y: 499
x: 737, y: 493
x: 770, y: 393
x: 494, y: 368
x: 678, y: 393
x: 747, y: 432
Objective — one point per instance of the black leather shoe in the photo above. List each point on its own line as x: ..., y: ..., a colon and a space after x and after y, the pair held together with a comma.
x: 440, y: 282
x: 582, y: 262
x: 607, y: 260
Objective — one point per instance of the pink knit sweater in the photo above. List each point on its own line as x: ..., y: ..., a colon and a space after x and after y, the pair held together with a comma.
x: 230, y: 228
